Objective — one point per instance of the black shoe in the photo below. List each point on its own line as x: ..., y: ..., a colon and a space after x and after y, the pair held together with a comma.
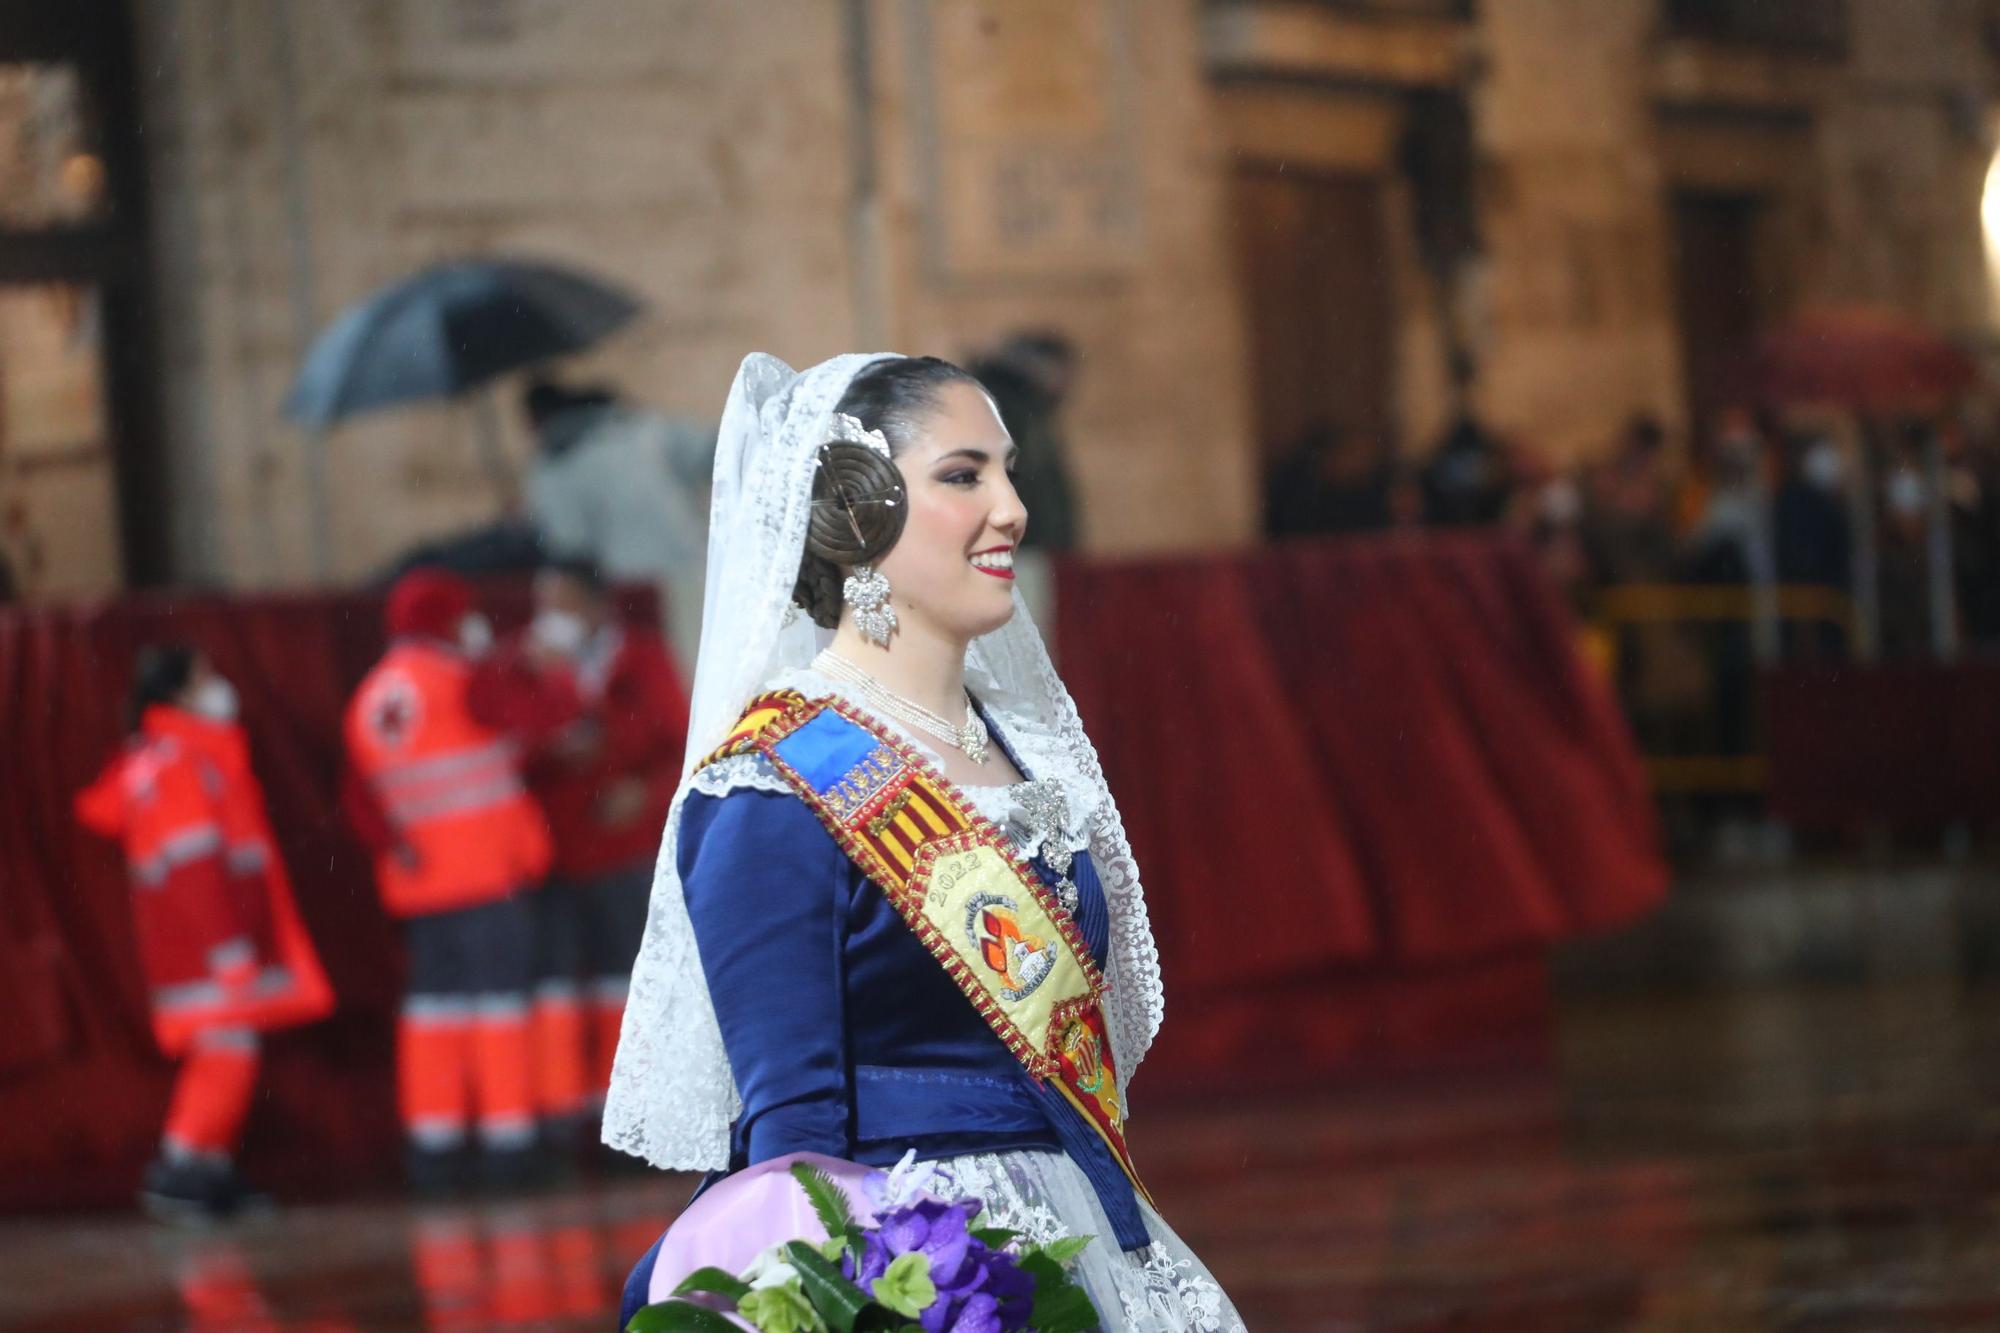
x: 243, y: 1198
x: 515, y: 1170
x: 433, y: 1173
x: 192, y: 1192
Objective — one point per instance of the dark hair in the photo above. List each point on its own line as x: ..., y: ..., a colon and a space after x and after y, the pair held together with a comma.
x: 580, y: 570
x: 1047, y: 343
x: 160, y: 675
x: 545, y: 398
x: 894, y: 396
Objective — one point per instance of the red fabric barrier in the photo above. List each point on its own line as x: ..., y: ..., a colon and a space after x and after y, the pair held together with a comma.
x: 1914, y: 745
x: 1368, y: 782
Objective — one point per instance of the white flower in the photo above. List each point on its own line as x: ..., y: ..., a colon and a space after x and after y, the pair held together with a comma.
x: 905, y: 1182
x: 770, y: 1269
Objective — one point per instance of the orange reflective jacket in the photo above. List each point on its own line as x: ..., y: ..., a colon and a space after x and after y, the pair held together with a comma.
x: 466, y: 829
x: 218, y: 933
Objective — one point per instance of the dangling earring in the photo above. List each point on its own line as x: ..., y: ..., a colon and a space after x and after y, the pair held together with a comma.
x: 867, y: 592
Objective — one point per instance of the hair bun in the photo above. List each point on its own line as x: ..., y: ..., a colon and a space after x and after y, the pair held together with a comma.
x: 859, y: 504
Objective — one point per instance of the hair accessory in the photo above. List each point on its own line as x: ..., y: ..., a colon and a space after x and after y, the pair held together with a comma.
x: 849, y: 428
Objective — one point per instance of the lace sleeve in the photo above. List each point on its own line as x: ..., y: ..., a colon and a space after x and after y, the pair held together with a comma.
x: 672, y: 1097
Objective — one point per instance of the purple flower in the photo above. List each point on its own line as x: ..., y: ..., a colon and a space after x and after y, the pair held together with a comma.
x: 875, y: 1258
x: 980, y: 1290
x: 977, y: 1313
x: 936, y: 1230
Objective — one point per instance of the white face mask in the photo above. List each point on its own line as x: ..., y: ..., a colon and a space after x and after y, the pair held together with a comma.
x: 560, y: 631
x: 1905, y: 492
x: 1822, y: 466
x: 215, y: 700
x: 475, y: 634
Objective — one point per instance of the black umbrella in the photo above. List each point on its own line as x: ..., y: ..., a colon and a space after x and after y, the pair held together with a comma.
x: 448, y: 329
x: 437, y: 334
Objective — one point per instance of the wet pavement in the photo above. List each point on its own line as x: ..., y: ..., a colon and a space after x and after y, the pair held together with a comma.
x: 1770, y: 1160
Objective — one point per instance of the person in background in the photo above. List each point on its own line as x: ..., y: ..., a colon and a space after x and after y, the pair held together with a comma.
x: 225, y: 954
x: 1628, y: 518
x: 1332, y: 481
x: 1731, y: 540
x: 626, y: 489
x: 1469, y: 479
x: 1811, y: 540
x: 605, y: 781
x: 1972, y: 486
x: 1903, y: 543
x: 435, y: 790
x: 1029, y: 377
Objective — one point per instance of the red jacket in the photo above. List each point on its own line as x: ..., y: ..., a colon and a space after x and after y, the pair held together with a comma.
x: 435, y: 788
x: 219, y: 934
x: 633, y: 725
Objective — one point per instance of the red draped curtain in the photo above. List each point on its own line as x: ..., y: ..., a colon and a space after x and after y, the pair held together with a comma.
x: 1369, y: 783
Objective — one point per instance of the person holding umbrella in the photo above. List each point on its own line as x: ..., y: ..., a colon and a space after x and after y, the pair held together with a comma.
x: 446, y: 332
x: 625, y: 490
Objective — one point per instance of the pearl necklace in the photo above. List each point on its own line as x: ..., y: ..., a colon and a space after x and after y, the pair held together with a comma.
x: 969, y: 739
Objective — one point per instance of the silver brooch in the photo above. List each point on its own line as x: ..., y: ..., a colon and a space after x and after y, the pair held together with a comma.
x: 1043, y: 816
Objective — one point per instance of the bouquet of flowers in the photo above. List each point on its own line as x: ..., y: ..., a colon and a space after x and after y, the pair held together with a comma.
x: 921, y: 1263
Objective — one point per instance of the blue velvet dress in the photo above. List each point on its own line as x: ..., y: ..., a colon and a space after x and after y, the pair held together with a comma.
x: 844, y: 1034
x: 846, y: 1037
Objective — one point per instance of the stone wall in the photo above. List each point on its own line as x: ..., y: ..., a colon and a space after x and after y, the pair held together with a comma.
x: 809, y: 175
x: 1870, y: 164
x: 716, y: 158
x: 1587, y: 117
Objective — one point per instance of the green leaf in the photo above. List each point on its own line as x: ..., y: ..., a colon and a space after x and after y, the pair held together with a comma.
x: 906, y: 1286
x: 827, y: 1200
x: 995, y: 1238
x: 782, y: 1309
x: 679, y: 1317
x: 837, y: 1300
x: 1060, y: 1305
x: 1066, y: 1249
x: 715, y: 1280
x: 833, y: 1247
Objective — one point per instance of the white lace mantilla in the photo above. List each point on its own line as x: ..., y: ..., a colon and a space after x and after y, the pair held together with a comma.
x: 672, y: 1099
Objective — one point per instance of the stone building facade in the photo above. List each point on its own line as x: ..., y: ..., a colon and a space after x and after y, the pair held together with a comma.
x: 1250, y: 215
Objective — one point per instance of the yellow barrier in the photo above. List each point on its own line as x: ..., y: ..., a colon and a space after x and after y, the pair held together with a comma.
x: 1678, y: 603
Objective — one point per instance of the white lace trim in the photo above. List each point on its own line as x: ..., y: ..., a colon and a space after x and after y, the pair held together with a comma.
x: 1163, y: 1288
x: 737, y: 773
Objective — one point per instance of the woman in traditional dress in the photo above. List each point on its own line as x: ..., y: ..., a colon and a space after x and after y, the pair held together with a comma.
x: 896, y: 909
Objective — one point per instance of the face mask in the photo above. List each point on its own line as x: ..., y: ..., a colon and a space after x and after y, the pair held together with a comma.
x: 1905, y: 492
x: 560, y: 631
x: 475, y: 635
x: 1562, y: 504
x: 215, y: 699
x: 1821, y: 466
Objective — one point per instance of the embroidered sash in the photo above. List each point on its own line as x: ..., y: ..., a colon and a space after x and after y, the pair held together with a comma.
x: 981, y: 911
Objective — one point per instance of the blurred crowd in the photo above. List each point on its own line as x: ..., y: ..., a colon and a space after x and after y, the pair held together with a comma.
x: 1770, y: 541
x: 1900, y: 519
